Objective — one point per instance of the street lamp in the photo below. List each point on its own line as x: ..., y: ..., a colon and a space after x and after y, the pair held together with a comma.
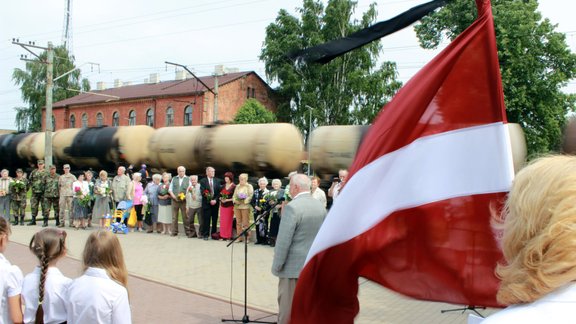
x: 308, y: 140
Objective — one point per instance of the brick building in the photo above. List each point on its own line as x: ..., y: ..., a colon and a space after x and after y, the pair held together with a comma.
x: 180, y: 102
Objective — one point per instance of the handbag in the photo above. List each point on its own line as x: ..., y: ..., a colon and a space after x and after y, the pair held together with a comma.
x: 132, y: 219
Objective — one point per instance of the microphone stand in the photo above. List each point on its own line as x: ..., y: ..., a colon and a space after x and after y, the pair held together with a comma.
x: 246, y: 318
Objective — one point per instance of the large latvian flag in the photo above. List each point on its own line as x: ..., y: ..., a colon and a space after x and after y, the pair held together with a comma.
x: 414, y: 215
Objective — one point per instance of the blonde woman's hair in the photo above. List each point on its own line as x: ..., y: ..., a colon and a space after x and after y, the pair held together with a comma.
x: 539, y: 231
x: 103, y: 250
x: 243, y: 176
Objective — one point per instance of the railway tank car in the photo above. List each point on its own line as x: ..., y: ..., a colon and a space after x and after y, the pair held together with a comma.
x: 260, y: 149
x: 273, y: 149
x: 334, y: 147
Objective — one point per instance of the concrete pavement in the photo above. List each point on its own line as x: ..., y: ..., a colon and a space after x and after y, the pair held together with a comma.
x: 202, y: 277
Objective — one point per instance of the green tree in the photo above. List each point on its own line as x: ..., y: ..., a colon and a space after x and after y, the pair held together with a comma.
x: 349, y: 90
x: 253, y: 112
x: 32, y: 82
x: 535, y: 63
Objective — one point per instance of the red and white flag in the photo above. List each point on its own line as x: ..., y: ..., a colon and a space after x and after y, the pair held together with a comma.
x: 414, y: 215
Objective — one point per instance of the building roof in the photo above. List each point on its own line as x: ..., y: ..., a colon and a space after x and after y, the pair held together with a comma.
x: 151, y: 90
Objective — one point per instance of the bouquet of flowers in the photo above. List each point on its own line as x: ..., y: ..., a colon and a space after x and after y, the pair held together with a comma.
x: 18, y: 186
x: 225, y: 194
x: 241, y: 197
x: 181, y: 196
x: 103, y: 189
x: 78, y: 191
x: 163, y: 190
x: 271, y: 198
x: 85, y: 201
x: 2, y: 193
x: 206, y: 193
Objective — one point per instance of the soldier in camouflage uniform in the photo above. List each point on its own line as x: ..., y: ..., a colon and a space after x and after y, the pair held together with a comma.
x: 51, y: 197
x: 37, y: 177
x: 18, y: 189
x: 66, y: 195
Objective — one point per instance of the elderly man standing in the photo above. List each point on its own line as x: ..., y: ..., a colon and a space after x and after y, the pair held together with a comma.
x: 66, y: 195
x: 194, y: 206
x: 210, y: 187
x: 301, y: 220
x: 37, y: 177
x: 120, y: 186
x: 177, y: 191
x: 51, y: 197
x: 338, y: 184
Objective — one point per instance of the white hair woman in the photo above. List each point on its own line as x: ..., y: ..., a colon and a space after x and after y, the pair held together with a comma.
x: 259, y: 203
x: 539, y: 245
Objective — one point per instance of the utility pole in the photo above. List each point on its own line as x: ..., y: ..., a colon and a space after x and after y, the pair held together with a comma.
x: 215, y: 97
x: 308, y: 140
x: 204, y: 84
x: 49, y: 84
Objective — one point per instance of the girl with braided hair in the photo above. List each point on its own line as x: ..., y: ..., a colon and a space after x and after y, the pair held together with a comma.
x: 100, y: 294
x: 10, y: 281
x: 43, y: 289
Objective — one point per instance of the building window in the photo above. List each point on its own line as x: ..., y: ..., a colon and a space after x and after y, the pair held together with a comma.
x: 84, y: 120
x: 115, y: 119
x: 72, y: 121
x: 188, y: 116
x: 169, y: 116
x: 150, y: 117
x: 99, y: 120
x: 248, y: 92
x: 253, y: 93
x: 53, y: 123
x: 132, y: 118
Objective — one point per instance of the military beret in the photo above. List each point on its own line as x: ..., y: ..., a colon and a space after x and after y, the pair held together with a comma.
x: 40, y: 161
x: 19, y: 170
x: 52, y: 167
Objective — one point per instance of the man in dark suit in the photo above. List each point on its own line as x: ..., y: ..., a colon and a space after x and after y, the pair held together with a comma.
x: 301, y: 220
x: 210, y: 188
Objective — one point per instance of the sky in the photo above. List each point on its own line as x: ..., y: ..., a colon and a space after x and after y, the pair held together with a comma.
x: 130, y: 40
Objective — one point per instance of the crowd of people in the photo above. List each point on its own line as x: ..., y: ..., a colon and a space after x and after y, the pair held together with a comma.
x: 100, y: 295
x: 159, y: 201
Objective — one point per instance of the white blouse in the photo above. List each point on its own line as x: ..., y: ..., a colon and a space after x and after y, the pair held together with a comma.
x: 557, y: 307
x: 96, y: 298
x: 55, y: 288
x: 10, y: 286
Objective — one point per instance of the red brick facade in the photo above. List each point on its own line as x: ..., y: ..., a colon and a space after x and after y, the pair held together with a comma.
x: 233, y: 91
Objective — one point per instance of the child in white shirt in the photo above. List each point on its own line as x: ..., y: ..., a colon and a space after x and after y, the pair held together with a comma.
x: 10, y: 282
x: 46, y: 286
x: 100, y: 294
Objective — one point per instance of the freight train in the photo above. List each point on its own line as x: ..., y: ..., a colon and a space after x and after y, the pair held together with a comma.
x: 260, y: 149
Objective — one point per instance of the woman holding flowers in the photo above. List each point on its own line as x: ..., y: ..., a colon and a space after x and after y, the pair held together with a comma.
x: 5, y: 182
x: 151, y: 191
x: 227, y: 206
x: 242, y: 196
x: 276, y: 197
x: 165, y: 204
x: 137, y: 201
x: 80, y: 202
x: 259, y: 202
x: 102, y: 197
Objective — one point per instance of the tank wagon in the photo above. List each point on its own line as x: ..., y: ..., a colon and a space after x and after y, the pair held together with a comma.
x: 263, y: 149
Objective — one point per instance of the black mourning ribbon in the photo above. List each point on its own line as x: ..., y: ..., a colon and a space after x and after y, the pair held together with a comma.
x: 326, y: 52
